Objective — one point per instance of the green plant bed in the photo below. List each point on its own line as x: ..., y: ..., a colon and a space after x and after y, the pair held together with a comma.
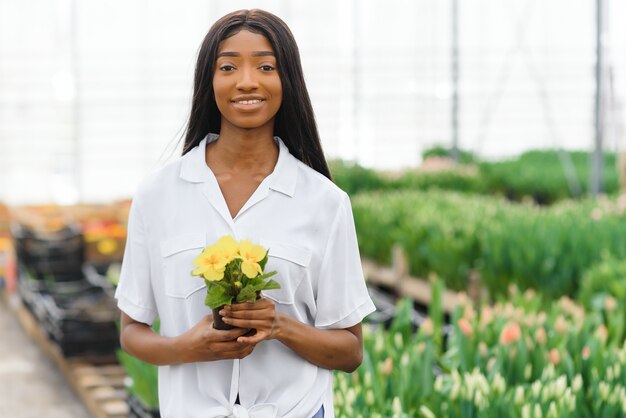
x: 511, y: 360
x: 603, y: 289
x: 541, y: 176
x: 535, y: 175
x: 354, y: 178
x: 453, y: 234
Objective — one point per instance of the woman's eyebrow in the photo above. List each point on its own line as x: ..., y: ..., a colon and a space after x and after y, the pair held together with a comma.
x: 254, y: 54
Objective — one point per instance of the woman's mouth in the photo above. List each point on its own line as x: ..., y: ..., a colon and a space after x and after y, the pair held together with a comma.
x: 248, y: 102
x: 248, y: 105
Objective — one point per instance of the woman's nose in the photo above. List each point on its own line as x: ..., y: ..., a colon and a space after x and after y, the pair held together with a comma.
x: 247, y: 79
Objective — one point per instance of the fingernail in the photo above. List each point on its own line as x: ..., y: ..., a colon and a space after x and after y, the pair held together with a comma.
x: 222, y: 312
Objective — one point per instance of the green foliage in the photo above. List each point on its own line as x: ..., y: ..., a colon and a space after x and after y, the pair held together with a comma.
x: 540, y: 175
x: 452, y: 234
x: 608, y: 277
x: 603, y: 290
x: 465, y: 180
x: 255, y: 286
x: 396, y: 375
x: 217, y: 295
x: 353, y: 178
x: 557, y: 363
x: 535, y: 175
x: 435, y: 312
x: 465, y: 157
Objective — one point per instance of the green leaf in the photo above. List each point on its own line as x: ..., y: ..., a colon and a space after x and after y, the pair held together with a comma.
x: 256, y: 282
x: 264, y: 261
x: 217, y: 296
x: 272, y: 284
x: 266, y: 275
x: 250, y: 292
x: 247, y: 294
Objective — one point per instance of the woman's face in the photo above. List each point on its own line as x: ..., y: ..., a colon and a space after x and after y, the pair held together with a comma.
x: 248, y: 91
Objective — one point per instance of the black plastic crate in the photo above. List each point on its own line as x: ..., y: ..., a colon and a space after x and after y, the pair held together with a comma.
x: 82, y: 322
x: 58, y: 254
x: 31, y: 289
x: 78, y: 316
x: 57, y: 268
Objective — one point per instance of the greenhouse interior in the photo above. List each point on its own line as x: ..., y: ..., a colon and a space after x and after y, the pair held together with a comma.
x: 480, y: 146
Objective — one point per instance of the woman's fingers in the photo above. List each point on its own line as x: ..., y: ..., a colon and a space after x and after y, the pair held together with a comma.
x: 254, y: 339
x: 237, y: 354
x: 227, y: 335
x: 254, y: 306
x: 260, y: 316
x: 233, y: 350
x: 266, y: 313
x: 247, y: 324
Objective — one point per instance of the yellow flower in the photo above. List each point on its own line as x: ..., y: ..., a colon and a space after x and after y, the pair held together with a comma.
x: 210, y: 264
x: 251, y: 255
x: 107, y: 246
x: 228, y: 247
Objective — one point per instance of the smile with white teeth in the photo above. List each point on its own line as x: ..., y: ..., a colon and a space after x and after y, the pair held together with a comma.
x: 249, y: 102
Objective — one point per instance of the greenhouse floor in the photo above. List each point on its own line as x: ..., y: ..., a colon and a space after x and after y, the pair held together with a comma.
x: 30, y: 383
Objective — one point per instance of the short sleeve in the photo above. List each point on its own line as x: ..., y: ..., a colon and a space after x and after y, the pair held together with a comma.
x: 134, y: 292
x: 342, y: 298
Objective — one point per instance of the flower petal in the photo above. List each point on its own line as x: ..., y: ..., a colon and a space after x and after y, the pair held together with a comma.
x: 213, y: 275
x: 227, y: 247
x: 252, y: 252
x: 251, y: 269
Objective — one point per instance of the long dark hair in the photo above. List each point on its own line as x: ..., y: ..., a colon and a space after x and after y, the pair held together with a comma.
x: 294, y: 122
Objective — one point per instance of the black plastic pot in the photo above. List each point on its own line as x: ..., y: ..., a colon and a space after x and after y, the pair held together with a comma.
x: 137, y: 408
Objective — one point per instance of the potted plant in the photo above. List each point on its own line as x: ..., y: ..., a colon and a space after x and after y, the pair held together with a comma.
x: 233, y: 273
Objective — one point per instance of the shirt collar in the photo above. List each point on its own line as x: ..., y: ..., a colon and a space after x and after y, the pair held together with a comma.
x: 283, y: 179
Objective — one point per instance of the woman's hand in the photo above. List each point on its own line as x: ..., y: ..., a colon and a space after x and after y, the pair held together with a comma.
x: 260, y: 315
x: 205, y: 343
x: 340, y: 349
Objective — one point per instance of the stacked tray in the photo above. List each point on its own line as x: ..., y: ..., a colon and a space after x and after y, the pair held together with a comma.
x: 78, y: 316
x: 50, y: 255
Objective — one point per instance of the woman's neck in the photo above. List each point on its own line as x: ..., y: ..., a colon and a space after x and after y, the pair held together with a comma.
x: 243, y: 150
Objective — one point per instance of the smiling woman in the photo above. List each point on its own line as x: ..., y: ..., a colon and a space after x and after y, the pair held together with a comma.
x: 253, y: 169
x: 248, y: 90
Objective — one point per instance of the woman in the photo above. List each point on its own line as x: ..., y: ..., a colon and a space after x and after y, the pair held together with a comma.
x: 253, y: 168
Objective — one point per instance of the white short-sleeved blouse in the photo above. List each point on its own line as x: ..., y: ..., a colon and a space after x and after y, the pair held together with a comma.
x: 306, y: 223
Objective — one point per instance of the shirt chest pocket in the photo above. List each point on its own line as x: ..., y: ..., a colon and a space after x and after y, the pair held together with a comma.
x: 177, y: 254
x: 290, y: 263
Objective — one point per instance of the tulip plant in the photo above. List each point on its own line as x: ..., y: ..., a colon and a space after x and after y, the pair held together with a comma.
x: 513, y: 359
x: 455, y: 235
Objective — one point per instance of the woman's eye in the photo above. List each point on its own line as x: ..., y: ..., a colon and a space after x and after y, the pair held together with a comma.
x: 227, y: 68
x: 267, y: 68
